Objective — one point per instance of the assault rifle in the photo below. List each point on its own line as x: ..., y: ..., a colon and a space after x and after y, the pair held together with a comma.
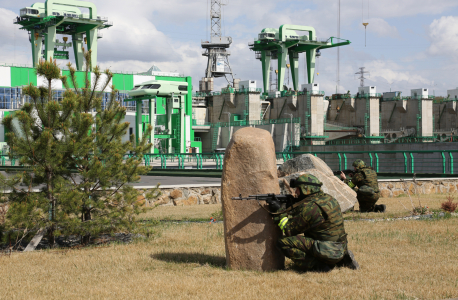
x: 346, y: 172
x: 273, y: 201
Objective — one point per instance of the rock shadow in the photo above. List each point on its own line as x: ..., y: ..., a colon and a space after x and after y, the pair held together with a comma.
x: 186, y: 258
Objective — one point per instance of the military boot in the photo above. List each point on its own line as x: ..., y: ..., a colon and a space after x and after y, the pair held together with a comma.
x: 380, y: 208
x: 348, y: 261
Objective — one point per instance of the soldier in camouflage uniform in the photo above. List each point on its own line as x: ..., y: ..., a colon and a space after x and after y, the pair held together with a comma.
x: 365, y: 183
x: 315, y: 237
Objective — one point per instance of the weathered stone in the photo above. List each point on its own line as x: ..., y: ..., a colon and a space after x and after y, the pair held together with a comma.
x: 186, y: 193
x: 250, y: 234
x: 162, y: 200
x: 206, y: 199
x: 397, y: 193
x: 302, y: 163
x: 413, y: 189
x: 175, y: 194
x: 205, y: 192
x: 390, y: 186
x: 216, y: 198
x: 429, y: 188
x: 385, y: 193
x: 315, y: 166
x: 443, y: 189
x: 191, y: 200
x: 141, y: 200
x: 451, y: 188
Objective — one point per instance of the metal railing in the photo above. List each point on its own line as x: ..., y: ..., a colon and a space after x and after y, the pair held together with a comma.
x: 200, y: 123
x: 420, y: 161
x: 407, y: 162
x: 255, y: 122
x: 186, y: 160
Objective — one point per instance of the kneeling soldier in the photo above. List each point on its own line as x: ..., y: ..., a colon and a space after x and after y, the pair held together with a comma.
x: 315, y: 234
x: 365, y: 183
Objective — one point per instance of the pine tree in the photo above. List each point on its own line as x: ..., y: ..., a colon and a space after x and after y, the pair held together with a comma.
x: 76, y: 155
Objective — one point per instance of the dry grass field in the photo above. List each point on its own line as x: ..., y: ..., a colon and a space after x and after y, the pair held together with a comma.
x: 399, y: 260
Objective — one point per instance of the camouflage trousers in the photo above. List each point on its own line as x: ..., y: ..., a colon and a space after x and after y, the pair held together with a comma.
x: 367, y: 204
x: 300, y: 250
x: 309, y: 254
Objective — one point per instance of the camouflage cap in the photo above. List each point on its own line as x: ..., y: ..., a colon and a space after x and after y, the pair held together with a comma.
x: 309, y: 189
x: 359, y: 164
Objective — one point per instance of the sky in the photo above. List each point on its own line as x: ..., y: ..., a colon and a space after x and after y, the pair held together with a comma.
x: 410, y: 44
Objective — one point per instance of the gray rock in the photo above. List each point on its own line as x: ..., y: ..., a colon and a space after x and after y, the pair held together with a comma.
x: 309, y: 164
x: 303, y: 163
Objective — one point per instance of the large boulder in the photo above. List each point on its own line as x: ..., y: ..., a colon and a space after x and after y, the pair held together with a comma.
x: 250, y: 234
x: 309, y: 164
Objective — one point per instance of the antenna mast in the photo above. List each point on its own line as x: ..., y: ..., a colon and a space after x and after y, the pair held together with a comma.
x: 361, y: 77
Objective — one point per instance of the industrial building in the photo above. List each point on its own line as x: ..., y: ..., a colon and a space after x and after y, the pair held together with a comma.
x: 299, y: 119
x: 13, y: 78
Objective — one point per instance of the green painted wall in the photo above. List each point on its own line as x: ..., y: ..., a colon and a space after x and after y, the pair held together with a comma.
x: 23, y: 76
x: 160, y: 106
x: 123, y: 82
x: 80, y: 79
x: 188, y: 79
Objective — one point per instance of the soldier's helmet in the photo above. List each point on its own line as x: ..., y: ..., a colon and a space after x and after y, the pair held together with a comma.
x: 306, y: 188
x: 359, y: 164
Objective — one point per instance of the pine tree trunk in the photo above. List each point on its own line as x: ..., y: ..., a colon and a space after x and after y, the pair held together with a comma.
x: 52, y: 203
x: 86, y: 217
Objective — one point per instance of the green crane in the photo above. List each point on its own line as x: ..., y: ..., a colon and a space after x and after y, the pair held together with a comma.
x: 44, y: 21
x: 279, y: 43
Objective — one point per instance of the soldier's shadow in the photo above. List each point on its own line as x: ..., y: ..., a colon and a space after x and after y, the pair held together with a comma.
x: 186, y: 258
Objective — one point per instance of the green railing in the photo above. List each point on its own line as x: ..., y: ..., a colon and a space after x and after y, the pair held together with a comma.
x: 200, y: 123
x: 248, y: 90
x: 420, y: 161
x: 429, y: 97
x: 183, y: 160
x: 406, y: 162
x: 255, y: 122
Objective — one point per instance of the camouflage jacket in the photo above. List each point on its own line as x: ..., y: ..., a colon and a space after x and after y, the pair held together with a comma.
x: 319, y: 217
x: 365, y: 176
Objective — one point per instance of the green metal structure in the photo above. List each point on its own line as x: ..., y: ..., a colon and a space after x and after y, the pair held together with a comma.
x: 45, y: 21
x: 175, y: 97
x: 279, y: 43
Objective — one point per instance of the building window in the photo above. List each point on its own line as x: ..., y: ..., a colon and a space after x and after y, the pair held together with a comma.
x: 151, y: 86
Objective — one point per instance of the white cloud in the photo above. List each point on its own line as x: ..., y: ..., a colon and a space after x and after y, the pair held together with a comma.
x: 382, y: 28
x: 168, y: 34
x: 443, y: 34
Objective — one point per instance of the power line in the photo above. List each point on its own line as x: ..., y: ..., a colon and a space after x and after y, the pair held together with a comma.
x: 361, y: 77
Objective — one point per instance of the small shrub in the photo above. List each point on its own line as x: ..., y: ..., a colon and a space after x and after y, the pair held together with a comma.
x: 449, y: 205
x: 217, y: 216
x: 420, y: 210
